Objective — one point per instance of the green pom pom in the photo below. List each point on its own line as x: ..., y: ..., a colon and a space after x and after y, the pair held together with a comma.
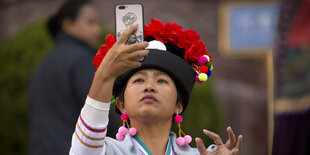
x: 113, y: 99
x: 208, y: 63
x: 203, y: 77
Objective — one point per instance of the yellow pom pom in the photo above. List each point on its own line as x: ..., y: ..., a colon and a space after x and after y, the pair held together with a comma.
x: 203, y: 77
x: 207, y: 57
x: 211, y: 68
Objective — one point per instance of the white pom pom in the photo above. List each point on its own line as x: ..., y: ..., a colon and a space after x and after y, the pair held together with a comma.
x: 154, y: 44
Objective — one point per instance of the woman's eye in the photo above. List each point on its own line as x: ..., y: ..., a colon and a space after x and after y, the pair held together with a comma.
x: 138, y: 80
x: 162, y: 81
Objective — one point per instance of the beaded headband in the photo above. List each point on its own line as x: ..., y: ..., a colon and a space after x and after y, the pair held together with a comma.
x: 195, y: 50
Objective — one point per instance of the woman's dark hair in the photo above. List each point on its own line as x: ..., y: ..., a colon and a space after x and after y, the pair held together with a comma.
x: 69, y: 10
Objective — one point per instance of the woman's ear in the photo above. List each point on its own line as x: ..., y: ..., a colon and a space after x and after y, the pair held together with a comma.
x: 179, y: 107
x: 68, y: 25
x: 120, y: 104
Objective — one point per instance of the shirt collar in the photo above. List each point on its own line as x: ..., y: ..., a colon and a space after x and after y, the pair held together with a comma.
x: 146, y: 151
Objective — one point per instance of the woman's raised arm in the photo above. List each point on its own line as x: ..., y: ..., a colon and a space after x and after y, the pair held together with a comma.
x: 89, y: 135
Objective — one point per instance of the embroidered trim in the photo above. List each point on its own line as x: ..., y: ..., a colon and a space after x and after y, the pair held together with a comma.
x: 88, y: 145
x: 90, y: 128
x: 292, y: 105
x: 91, y: 138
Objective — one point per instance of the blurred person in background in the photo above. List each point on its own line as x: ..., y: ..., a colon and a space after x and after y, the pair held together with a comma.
x: 292, y: 82
x: 61, y: 82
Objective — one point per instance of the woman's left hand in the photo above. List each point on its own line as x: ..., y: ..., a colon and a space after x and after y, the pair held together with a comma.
x: 231, y: 147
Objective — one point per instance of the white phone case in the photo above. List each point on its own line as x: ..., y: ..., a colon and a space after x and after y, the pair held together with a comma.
x: 126, y: 15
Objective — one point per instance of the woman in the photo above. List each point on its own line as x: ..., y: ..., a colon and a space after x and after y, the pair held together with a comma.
x: 149, y: 94
x: 61, y: 82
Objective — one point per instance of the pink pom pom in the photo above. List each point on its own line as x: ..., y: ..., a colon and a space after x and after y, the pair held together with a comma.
x: 178, y: 119
x: 124, y: 116
x: 197, y: 79
x: 180, y: 141
x: 132, y: 131
x: 122, y: 130
x: 202, y: 60
x: 119, y: 136
x: 187, y: 139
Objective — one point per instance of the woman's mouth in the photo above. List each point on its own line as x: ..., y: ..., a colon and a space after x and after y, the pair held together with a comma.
x: 149, y: 98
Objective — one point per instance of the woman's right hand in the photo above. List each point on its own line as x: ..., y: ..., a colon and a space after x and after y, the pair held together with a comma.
x: 119, y: 59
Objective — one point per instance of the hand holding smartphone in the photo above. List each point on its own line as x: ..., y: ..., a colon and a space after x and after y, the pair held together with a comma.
x: 126, y: 15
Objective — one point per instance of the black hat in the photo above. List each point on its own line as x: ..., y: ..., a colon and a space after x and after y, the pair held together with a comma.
x: 177, y: 68
x: 183, y: 57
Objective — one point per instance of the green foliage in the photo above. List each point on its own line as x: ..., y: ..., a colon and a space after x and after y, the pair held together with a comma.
x: 19, y: 56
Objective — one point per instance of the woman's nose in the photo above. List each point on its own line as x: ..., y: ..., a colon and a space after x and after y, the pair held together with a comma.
x: 149, y: 88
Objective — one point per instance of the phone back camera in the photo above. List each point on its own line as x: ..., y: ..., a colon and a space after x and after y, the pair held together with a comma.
x: 121, y: 7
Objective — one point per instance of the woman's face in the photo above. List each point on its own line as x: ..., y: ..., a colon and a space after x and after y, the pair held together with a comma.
x: 151, y: 93
x: 86, y: 25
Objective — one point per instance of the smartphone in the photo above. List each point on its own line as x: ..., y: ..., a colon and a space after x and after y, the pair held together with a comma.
x: 126, y: 15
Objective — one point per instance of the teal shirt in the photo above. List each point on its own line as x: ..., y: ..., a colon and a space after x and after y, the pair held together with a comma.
x: 145, y: 150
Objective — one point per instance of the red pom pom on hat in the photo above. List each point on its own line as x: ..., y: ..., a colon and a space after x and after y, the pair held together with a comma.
x: 203, y: 69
